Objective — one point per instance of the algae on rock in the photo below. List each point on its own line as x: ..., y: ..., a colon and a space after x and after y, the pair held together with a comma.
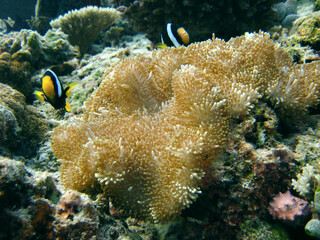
x: 22, y: 128
x: 22, y: 53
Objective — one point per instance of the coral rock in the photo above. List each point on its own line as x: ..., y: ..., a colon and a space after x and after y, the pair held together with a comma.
x: 27, y: 215
x: 21, y: 53
x: 76, y: 214
x: 21, y: 126
x: 307, y: 30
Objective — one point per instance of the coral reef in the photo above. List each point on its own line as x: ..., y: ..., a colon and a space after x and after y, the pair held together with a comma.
x: 226, y: 18
x: 152, y: 129
x: 240, y: 190
x: 307, y: 30
x: 22, y: 127
x: 24, y: 52
x: 76, y: 214
x: 308, y: 144
x: 33, y: 207
x: 26, y: 216
x: 287, y: 207
x: 307, y: 177
x: 83, y: 26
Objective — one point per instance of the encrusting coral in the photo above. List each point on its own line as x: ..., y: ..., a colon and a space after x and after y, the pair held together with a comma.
x: 22, y: 127
x: 152, y: 129
x: 84, y: 25
x: 307, y: 30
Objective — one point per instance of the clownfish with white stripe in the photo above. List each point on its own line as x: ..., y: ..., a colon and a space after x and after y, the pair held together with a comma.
x: 53, y: 91
x: 173, y: 35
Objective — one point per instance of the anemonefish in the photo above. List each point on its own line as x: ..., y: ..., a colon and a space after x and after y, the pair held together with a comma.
x: 173, y: 35
x: 53, y: 91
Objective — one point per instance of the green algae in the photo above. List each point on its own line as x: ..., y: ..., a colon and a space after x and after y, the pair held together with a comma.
x: 261, y: 230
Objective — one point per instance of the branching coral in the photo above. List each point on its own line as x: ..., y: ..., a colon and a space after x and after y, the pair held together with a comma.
x: 83, y: 26
x: 154, y: 126
x: 303, y: 183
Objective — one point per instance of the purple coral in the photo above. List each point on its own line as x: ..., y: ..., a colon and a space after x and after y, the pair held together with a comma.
x: 287, y: 207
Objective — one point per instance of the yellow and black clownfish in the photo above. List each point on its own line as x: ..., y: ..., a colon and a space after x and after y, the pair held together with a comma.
x: 53, y: 91
x: 173, y: 35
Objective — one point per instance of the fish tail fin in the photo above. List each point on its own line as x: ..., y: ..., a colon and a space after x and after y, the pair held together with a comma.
x: 69, y: 87
x: 40, y: 96
x: 68, y: 107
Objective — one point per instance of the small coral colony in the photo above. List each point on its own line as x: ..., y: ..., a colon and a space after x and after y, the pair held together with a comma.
x: 165, y: 127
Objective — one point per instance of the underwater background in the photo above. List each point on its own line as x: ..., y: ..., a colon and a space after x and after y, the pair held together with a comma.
x: 116, y: 124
